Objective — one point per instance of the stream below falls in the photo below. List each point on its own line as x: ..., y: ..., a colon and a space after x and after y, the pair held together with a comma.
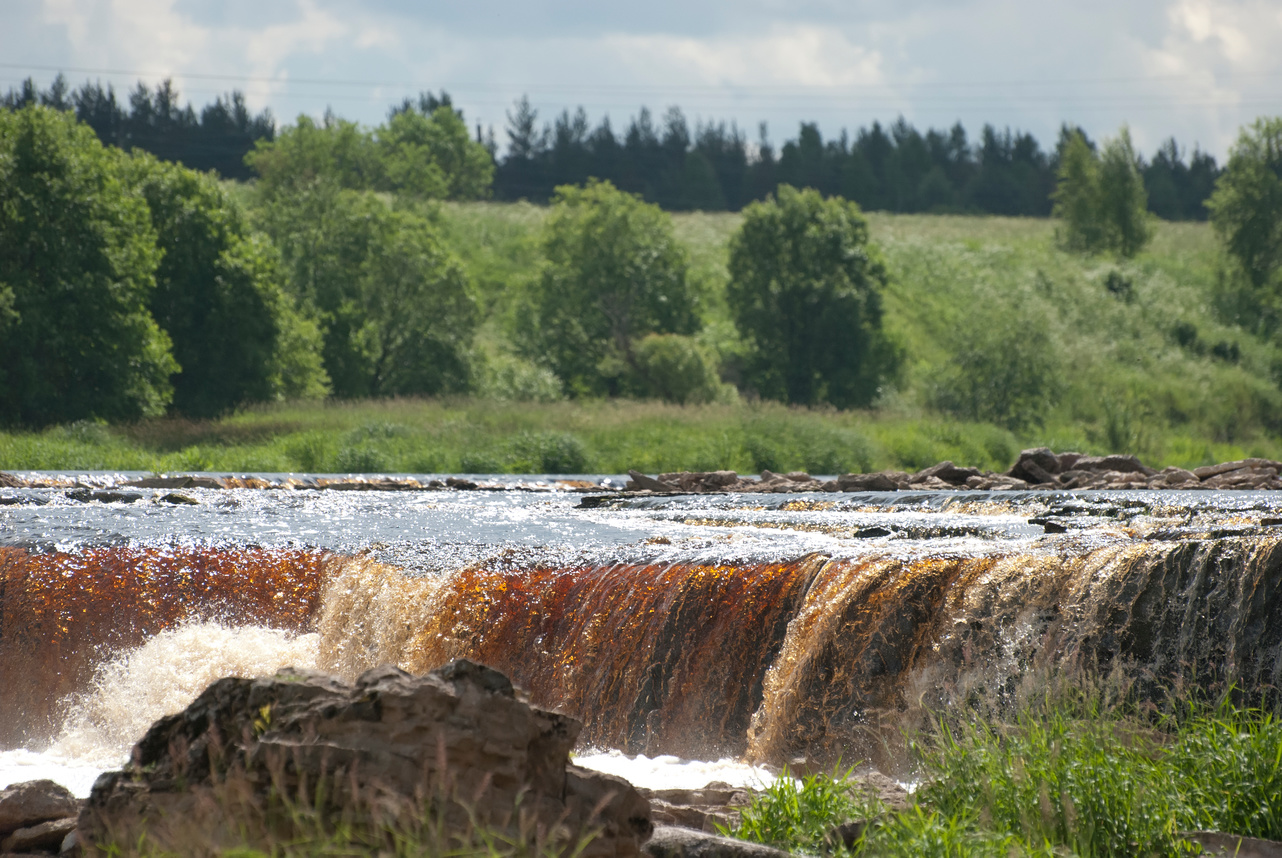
x: 698, y: 637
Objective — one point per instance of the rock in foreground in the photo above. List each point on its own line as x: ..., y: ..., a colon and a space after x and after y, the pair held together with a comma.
x: 252, y: 762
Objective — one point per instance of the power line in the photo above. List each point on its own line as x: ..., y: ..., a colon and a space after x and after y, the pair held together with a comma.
x: 616, y: 88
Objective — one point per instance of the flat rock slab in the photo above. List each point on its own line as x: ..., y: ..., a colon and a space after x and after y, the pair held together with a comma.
x: 1217, y: 843
x: 670, y: 841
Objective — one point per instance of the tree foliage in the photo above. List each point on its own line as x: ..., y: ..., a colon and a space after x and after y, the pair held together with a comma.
x: 427, y: 155
x: 614, y: 273
x: 78, y: 257
x: 805, y: 291
x: 235, y: 333
x: 1246, y: 208
x: 1100, y: 198
x: 395, y: 308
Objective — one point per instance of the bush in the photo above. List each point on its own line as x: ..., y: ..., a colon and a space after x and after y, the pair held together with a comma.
x: 1006, y: 372
x: 805, y: 292
x: 782, y: 445
x: 677, y: 369
x: 548, y: 453
x: 507, y: 378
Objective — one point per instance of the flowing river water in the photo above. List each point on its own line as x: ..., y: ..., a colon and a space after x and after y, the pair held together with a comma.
x: 699, y: 637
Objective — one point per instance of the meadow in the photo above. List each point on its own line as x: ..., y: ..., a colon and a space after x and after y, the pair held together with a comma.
x: 1008, y: 342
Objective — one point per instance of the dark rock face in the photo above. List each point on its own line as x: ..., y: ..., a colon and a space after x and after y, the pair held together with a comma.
x: 44, y: 837
x: 457, y: 743
x: 1120, y: 464
x: 1038, y: 465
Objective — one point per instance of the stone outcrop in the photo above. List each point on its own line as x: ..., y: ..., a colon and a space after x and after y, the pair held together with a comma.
x: 457, y: 746
x: 1037, y: 469
x: 36, y: 818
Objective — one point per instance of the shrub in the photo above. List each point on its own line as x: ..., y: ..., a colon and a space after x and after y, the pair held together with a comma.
x: 548, y: 453
x: 677, y: 369
x: 1100, y: 199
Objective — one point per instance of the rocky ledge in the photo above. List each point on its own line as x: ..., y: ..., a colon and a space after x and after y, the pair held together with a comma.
x: 1037, y: 469
x: 250, y: 762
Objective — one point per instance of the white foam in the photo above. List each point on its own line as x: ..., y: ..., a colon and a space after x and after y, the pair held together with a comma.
x: 22, y: 765
x: 668, y: 772
x: 146, y: 683
x: 166, y: 673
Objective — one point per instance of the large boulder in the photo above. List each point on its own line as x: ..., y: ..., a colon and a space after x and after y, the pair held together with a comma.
x: 33, y: 802
x: 1038, y: 465
x: 441, y: 756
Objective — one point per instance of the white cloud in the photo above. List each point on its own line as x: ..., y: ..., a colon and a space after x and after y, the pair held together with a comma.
x: 798, y: 55
x: 1193, y: 68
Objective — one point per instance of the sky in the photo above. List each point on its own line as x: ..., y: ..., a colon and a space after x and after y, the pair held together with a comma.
x: 1196, y: 70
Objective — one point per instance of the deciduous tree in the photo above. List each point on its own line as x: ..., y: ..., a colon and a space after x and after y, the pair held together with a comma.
x: 236, y: 334
x: 614, y: 273
x: 78, y: 258
x: 1246, y: 207
x: 805, y: 291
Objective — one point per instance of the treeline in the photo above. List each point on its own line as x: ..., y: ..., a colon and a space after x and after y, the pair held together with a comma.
x: 712, y: 166
x: 131, y: 286
x: 218, y: 138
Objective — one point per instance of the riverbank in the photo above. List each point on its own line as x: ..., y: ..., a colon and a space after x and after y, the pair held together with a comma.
x: 476, y: 436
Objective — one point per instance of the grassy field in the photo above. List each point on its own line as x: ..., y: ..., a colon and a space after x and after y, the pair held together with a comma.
x: 1009, y: 342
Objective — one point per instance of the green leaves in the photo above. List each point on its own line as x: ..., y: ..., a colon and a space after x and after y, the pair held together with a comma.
x: 805, y: 291
x: 423, y: 155
x: 1246, y: 207
x: 1101, y: 198
x: 394, y: 307
x: 78, y: 258
x: 614, y: 273
x: 219, y: 296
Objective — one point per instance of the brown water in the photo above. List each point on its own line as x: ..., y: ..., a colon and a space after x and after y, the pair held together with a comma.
x: 766, y: 628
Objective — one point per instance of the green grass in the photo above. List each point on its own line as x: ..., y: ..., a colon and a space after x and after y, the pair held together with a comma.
x: 479, y: 436
x: 1135, y: 355
x: 1067, y: 779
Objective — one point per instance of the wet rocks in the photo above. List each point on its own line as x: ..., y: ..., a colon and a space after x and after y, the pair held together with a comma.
x: 374, y: 753
x: 36, y: 817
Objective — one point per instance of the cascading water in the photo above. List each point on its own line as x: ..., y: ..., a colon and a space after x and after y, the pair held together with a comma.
x: 761, y: 627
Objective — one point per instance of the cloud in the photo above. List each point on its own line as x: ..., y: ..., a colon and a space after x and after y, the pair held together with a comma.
x: 1193, y: 68
x: 787, y: 55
